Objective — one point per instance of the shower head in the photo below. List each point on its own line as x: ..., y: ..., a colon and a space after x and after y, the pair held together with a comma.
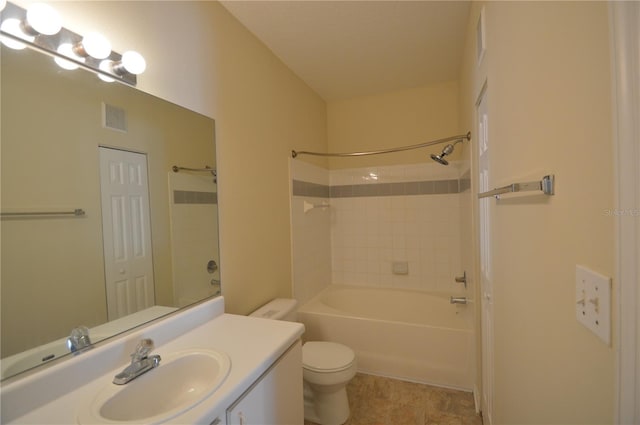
x: 446, y: 151
x: 440, y: 159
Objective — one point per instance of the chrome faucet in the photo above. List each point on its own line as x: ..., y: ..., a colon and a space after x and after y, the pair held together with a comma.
x: 458, y: 300
x: 141, y: 362
x: 79, y: 340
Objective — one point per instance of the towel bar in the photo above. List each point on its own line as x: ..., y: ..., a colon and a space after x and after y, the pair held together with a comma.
x: 78, y: 212
x: 546, y: 185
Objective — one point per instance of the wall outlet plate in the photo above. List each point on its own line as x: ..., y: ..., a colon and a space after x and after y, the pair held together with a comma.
x: 593, y: 302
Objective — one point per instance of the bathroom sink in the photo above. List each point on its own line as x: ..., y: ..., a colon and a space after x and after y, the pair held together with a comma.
x: 182, y: 380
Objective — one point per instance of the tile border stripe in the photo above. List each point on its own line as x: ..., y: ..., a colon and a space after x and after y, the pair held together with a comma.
x: 426, y: 187
x: 194, y: 197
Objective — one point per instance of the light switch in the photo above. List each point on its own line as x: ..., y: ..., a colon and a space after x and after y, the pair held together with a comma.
x: 593, y: 302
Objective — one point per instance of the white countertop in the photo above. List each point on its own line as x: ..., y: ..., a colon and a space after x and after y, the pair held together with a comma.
x: 55, y: 394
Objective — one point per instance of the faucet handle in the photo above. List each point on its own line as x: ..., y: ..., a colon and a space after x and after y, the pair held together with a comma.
x: 79, y: 339
x: 142, y: 350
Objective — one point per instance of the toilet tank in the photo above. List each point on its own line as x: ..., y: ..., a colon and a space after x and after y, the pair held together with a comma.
x: 278, y: 309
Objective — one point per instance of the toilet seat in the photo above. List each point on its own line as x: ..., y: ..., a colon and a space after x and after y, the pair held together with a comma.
x: 326, y: 357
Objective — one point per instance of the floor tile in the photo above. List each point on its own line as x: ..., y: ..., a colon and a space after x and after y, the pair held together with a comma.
x: 376, y: 400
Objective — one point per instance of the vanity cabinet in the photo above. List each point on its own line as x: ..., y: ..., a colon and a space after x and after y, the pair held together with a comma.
x: 276, y: 397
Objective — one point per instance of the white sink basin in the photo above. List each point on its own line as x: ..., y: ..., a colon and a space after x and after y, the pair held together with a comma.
x: 182, y: 380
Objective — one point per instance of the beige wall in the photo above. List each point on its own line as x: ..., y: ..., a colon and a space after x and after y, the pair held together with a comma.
x: 200, y: 57
x: 392, y: 119
x: 547, y: 67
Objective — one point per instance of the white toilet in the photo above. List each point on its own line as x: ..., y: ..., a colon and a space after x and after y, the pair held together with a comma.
x: 327, y: 367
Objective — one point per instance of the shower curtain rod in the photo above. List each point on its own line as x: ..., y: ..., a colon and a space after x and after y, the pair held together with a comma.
x: 398, y: 149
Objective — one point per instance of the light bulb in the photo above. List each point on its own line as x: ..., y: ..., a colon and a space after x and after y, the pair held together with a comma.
x: 134, y: 62
x: 13, y: 26
x: 95, y: 45
x: 66, y: 49
x: 43, y: 19
x: 106, y: 66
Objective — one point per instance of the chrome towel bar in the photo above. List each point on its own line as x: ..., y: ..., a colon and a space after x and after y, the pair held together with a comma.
x: 206, y: 168
x: 546, y: 185
x: 78, y: 212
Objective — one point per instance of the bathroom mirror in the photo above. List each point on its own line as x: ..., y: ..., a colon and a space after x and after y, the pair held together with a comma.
x: 97, y: 230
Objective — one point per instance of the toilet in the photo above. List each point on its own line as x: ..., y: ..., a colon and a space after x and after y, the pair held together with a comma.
x: 327, y: 367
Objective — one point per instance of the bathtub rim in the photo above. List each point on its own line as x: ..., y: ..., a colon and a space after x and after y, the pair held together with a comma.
x: 324, y: 309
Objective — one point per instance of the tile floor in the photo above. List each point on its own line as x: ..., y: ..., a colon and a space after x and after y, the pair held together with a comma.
x: 376, y: 400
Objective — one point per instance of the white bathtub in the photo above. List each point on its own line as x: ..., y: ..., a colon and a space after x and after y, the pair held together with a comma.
x: 411, y: 335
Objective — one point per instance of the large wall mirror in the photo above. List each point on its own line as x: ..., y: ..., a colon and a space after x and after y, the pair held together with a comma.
x: 97, y: 229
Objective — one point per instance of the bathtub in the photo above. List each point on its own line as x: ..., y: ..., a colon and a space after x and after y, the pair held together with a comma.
x: 411, y: 335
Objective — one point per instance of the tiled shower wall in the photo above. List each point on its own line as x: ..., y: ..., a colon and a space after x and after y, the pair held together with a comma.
x: 392, y: 226
x: 310, y: 231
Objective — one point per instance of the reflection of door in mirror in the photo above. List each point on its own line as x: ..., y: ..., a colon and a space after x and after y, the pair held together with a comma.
x: 126, y: 232
x: 194, y: 237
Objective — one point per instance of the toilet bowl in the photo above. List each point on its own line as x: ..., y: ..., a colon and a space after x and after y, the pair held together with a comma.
x: 327, y: 367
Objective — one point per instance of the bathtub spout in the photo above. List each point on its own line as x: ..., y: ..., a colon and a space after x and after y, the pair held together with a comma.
x: 458, y: 300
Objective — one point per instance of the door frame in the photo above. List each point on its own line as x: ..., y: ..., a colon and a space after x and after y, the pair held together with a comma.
x: 484, y: 292
x: 625, y: 46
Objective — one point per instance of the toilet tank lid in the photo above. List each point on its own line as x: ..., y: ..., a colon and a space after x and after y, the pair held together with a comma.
x: 276, y: 309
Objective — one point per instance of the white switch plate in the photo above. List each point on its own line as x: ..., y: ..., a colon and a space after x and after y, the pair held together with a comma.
x: 593, y: 302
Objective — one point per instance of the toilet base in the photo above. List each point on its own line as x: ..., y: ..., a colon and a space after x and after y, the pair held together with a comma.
x: 326, y: 407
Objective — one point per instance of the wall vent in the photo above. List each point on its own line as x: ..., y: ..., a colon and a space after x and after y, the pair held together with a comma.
x: 114, y: 118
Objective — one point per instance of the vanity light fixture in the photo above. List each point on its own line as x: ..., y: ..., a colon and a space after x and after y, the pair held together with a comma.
x: 93, y: 44
x: 66, y: 49
x: 40, y: 27
x: 38, y: 19
x: 42, y: 19
x: 131, y: 62
x: 105, y: 66
x: 13, y: 27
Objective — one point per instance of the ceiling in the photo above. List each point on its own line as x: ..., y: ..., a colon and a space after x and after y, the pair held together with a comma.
x: 344, y: 49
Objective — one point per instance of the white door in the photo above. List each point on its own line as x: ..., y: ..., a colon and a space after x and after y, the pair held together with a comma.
x: 126, y: 232
x: 486, y: 288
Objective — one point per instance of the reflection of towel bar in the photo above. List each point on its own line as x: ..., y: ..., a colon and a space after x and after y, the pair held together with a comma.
x: 206, y: 169
x: 77, y: 213
x: 546, y: 185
